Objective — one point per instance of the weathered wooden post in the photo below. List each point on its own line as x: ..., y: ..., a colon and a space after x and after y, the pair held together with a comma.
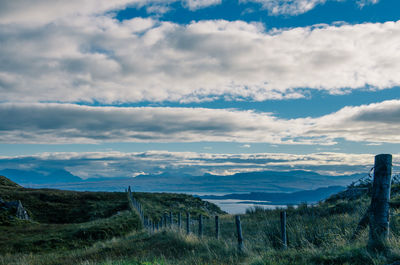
x: 216, y: 227
x: 283, y: 230
x: 379, y: 215
x: 171, y: 220
x: 165, y: 220
x: 158, y: 226
x: 188, y: 223
x: 200, y: 225
x: 179, y: 221
x: 239, y: 233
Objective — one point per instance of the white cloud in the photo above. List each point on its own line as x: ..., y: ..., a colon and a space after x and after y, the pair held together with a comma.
x: 99, y: 58
x: 67, y: 123
x: 296, y: 7
x: 362, y: 3
x: 116, y: 164
x: 197, y: 4
x: 46, y: 11
x: 290, y: 7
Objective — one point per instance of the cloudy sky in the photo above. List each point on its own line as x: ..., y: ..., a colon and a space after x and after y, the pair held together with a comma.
x: 247, y: 84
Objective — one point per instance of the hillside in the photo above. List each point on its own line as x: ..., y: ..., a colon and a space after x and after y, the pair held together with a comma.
x: 309, y: 196
x: 316, y: 235
x: 5, y: 182
x: 67, y: 220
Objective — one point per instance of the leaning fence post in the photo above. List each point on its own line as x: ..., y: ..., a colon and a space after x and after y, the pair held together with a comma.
x: 379, y: 220
x: 200, y: 225
x: 216, y: 227
x: 283, y: 230
x: 239, y: 233
x: 179, y: 221
x: 188, y: 223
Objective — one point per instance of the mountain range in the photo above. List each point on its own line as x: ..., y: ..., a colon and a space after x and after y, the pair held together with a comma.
x: 308, y: 196
x: 263, y: 181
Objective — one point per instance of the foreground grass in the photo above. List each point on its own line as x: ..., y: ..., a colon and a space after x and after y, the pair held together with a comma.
x: 170, y: 248
x: 32, y: 237
x: 316, y: 235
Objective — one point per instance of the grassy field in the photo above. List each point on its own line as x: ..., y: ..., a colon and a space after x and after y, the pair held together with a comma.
x: 316, y: 235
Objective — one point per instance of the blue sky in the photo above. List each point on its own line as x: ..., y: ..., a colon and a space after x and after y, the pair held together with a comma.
x: 266, y: 77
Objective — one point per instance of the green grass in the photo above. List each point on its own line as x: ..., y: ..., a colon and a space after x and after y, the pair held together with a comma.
x: 156, y: 204
x: 316, y: 235
x: 33, y: 237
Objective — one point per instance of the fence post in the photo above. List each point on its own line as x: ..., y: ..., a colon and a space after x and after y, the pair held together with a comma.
x: 200, y: 225
x: 179, y: 221
x: 188, y: 223
x: 379, y: 219
x: 171, y: 220
x: 239, y: 233
x: 216, y: 227
x: 283, y: 230
x: 165, y: 220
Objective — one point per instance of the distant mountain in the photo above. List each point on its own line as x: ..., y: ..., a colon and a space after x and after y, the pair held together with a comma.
x: 264, y: 181
x: 45, y: 176
x: 309, y: 196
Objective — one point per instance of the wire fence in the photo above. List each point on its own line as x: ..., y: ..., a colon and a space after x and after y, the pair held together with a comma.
x: 274, y: 231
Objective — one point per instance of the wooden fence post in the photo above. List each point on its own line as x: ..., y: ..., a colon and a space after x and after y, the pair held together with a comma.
x: 216, y: 227
x: 171, y: 220
x: 165, y: 220
x: 283, y: 230
x: 188, y: 223
x: 379, y: 219
x: 179, y: 221
x: 239, y: 233
x: 200, y: 225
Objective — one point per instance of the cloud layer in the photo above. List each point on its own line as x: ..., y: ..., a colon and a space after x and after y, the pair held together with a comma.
x: 115, y: 164
x: 68, y: 123
x: 99, y: 58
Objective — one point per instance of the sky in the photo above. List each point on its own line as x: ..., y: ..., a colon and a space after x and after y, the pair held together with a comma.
x: 119, y: 88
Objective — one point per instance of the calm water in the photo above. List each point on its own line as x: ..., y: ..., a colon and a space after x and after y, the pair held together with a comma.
x: 240, y: 206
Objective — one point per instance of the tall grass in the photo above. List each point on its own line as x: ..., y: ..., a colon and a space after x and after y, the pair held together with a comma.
x: 316, y: 235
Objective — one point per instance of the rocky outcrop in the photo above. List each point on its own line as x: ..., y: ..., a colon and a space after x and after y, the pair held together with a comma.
x: 14, y: 207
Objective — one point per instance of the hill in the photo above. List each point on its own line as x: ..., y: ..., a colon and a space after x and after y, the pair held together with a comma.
x: 40, y: 176
x: 318, y: 235
x: 309, y: 196
x: 5, y: 182
x: 68, y: 220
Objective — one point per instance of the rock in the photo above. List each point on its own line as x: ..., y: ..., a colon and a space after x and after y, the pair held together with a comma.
x: 16, y: 207
x: 21, y: 212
